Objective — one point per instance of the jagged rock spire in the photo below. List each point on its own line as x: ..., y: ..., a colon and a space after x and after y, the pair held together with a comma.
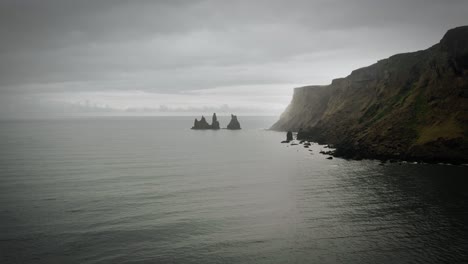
x: 214, y: 122
x: 234, y: 124
x: 203, y: 124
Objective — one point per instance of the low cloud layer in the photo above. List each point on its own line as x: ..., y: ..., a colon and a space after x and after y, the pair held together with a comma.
x: 73, y: 49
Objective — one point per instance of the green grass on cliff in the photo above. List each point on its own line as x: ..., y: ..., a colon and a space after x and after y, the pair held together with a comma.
x: 377, y: 111
x: 421, y: 107
x: 447, y: 129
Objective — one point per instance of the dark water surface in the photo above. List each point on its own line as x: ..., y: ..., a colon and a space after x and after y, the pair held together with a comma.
x: 150, y: 190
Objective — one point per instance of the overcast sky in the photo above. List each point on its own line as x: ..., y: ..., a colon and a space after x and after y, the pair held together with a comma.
x: 178, y: 56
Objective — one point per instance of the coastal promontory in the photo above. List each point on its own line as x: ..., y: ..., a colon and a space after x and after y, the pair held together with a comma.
x: 411, y: 106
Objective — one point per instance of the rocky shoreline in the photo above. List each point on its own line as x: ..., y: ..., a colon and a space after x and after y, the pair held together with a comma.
x: 347, y: 149
x: 344, y: 152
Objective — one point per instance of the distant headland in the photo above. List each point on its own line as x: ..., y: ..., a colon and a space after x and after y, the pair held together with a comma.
x: 204, y: 125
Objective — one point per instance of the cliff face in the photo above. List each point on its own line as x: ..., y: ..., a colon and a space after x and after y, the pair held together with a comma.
x: 410, y: 106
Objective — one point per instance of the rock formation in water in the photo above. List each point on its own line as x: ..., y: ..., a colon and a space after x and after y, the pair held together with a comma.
x: 214, y: 122
x: 203, y: 124
x: 234, y: 124
x: 411, y: 106
x: 289, y: 137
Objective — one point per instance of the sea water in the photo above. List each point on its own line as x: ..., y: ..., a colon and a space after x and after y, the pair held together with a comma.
x: 150, y: 190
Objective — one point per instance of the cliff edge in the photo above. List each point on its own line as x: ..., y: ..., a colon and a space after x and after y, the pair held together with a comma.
x: 411, y: 106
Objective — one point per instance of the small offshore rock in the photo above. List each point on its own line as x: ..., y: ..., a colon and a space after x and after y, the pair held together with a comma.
x: 326, y: 152
x: 214, y: 122
x: 234, y: 124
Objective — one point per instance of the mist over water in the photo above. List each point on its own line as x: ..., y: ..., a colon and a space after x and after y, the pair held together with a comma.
x: 150, y: 190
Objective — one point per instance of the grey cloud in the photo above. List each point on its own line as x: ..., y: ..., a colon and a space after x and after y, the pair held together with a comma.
x: 182, y: 45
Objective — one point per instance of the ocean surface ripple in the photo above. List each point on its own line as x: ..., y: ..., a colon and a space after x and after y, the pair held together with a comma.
x: 150, y: 190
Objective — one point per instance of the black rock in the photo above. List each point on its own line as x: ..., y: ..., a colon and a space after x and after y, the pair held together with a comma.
x: 327, y: 152
x: 214, y: 122
x: 289, y: 136
x: 330, y: 158
x: 202, y: 124
x: 234, y: 124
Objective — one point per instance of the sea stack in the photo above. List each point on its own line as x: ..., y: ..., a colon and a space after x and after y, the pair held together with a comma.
x: 289, y: 137
x: 202, y: 124
x: 234, y: 124
x: 214, y: 122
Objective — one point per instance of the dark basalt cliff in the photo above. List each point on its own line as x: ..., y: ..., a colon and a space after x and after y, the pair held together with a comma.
x: 411, y: 106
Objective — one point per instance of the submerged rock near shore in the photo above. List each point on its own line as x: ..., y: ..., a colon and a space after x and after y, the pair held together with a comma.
x: 203, y: 124
x: 234, y: 124
x: 411, y: 106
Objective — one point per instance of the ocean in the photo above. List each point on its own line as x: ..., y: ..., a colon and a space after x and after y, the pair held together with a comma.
x: 150, y: 190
